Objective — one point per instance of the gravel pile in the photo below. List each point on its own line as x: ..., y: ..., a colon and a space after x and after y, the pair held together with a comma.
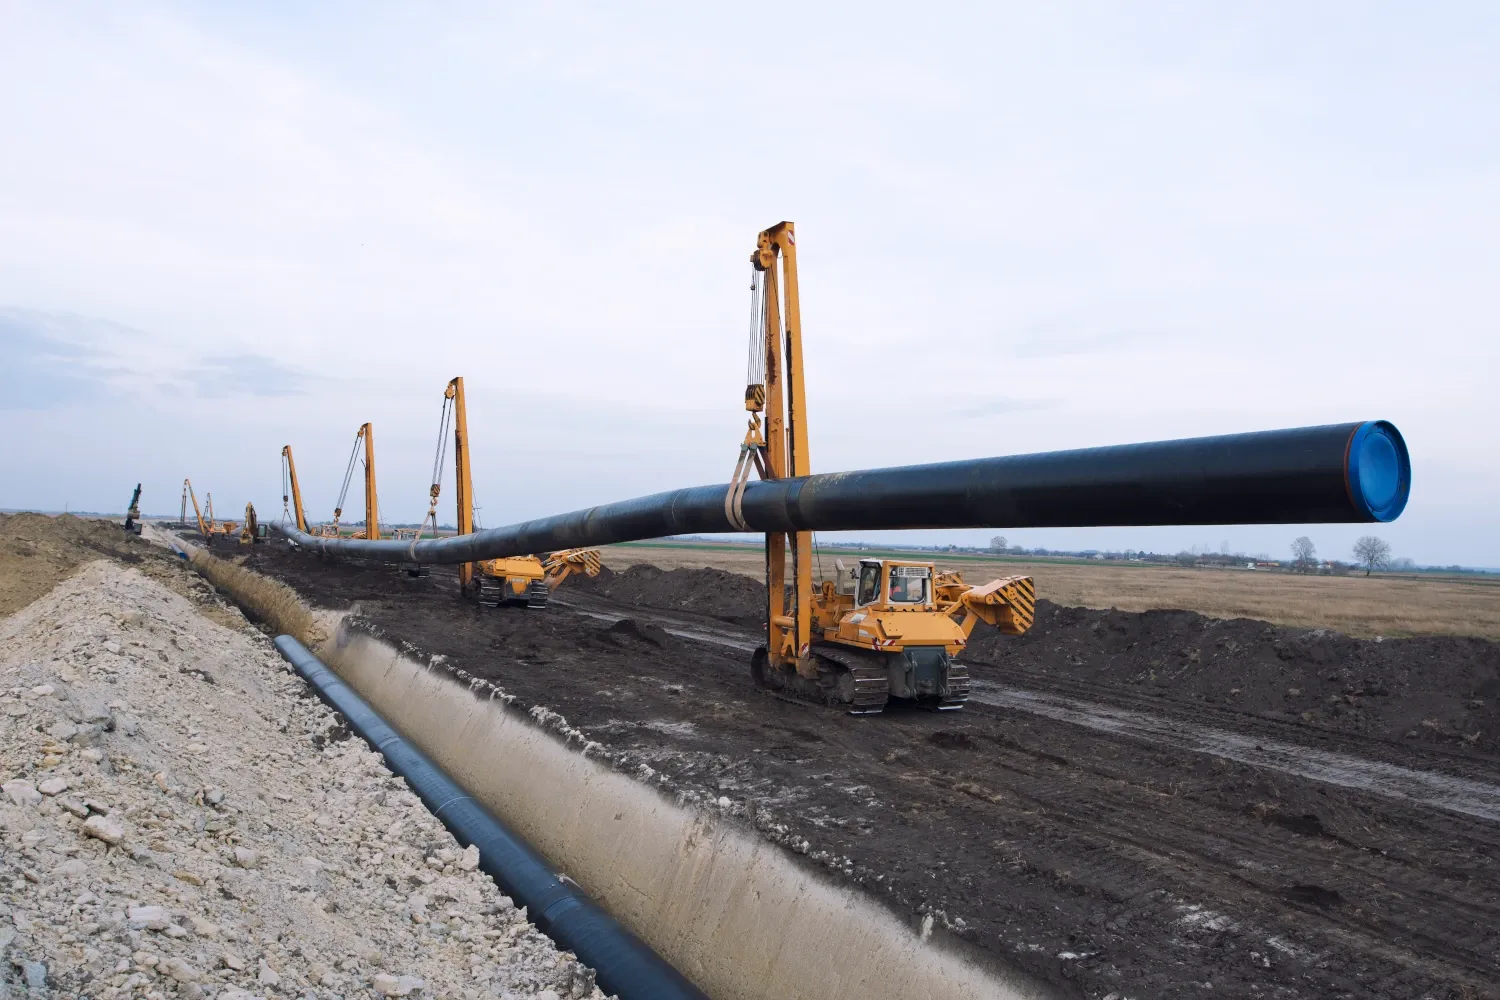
x: 179, y: 818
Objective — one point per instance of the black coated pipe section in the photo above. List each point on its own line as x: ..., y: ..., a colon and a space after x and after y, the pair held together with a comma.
x: 1305, y: 475
x: 625, y: 965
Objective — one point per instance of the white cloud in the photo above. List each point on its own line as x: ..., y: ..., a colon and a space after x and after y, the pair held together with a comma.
x: 1068, y: 226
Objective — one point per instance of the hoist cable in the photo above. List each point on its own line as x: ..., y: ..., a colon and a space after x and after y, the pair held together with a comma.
x: 755, y: 364
x: 445, y: 420
x: 349, y: 471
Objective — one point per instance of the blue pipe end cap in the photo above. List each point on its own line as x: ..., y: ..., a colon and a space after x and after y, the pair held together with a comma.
x: 1378, y: 470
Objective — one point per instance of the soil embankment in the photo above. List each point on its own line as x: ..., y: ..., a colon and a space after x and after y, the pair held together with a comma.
x: 1436, y: 689
x: 1106, y: 863
x: 39, y: 551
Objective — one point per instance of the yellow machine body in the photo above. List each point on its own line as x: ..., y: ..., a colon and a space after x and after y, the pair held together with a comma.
x: 898, y: 603
x: 250, y: 533
x: 515, y: 573
x: 527, y: 580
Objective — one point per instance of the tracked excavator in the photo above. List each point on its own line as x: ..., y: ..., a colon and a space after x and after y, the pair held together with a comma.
x: 526, y: 581
x: 898, y: 631
x: 250, y: 533
x: 133, y: 512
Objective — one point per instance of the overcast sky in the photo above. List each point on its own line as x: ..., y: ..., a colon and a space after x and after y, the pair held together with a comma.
x: 224, y: 228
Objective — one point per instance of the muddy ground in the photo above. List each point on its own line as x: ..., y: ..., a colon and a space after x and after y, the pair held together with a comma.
x: 1110, y: 865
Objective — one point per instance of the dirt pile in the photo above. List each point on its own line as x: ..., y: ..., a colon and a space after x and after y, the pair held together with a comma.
x: 730, y: 597
x: 179, y: 818
x: 1439, y: 689
x: 1431, y: 688
x: 38, y: 551
x: 1434, y: 688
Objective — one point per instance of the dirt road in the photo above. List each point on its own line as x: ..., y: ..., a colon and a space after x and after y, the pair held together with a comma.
x: 1116, y: 842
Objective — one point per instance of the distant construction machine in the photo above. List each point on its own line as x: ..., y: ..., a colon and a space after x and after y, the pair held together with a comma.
x: 366, y: 436
x: 517, y: 580
x: 187, y: 494
x: 206, y: 523
x: 250, y: 533
x: 291, y: 493
x: 133, y: 512
x: 896, y: 634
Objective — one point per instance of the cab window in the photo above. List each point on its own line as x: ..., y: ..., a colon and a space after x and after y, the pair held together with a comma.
x: 869, y: 583
x: 910, y: 584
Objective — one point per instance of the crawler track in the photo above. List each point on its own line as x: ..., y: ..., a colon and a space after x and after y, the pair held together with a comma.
x: 1101, y: 860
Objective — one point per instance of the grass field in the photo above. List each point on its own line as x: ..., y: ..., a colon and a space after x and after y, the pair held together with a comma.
x: 1356, y: 605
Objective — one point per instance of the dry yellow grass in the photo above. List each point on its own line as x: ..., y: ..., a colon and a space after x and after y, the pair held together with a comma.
x: 274, y: 602
x: 1378, y: 605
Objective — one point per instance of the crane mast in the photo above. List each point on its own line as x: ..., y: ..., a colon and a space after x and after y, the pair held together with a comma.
x: 786, y: 450
x: 290, y: 486
x: 463, y: 478
x: 188, y: 494
x: 372, y: 512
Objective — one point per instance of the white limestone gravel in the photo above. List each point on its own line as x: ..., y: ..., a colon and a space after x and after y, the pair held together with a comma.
x: 180, y: 818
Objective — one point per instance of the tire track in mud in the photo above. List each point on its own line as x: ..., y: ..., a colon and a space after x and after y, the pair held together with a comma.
x: 1440, y: 791
x: 1378, y: 884
x: 1429, y: 788
x: 1369, y: 885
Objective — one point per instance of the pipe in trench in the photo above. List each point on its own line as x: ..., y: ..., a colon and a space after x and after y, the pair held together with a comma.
x: 624, y: 964
x: 1358, y: 472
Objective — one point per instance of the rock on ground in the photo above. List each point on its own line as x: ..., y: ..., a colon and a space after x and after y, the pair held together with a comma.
x: 181, y: 818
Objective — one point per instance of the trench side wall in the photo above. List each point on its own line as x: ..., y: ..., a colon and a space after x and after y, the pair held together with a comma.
x: 731, y: 911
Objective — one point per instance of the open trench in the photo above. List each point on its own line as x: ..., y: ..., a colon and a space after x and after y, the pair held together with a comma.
x: 1099, y: 847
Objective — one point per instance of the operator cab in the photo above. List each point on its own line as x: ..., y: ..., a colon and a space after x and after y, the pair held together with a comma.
x: 903, y: 586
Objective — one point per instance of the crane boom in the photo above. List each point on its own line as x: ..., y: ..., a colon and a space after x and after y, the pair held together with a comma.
x: 372, y: 505
x: 187, y: 488
x: 462, y: 475
x: 289, y: 468
x: 365, y: 435
x: 786, y: 448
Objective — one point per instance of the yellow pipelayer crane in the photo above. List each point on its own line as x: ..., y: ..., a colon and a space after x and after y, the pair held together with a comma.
x: 187, y: 494
x: 225, y: 528
x: 897, y: 633
x: 518, y: 580
x: 366, y: 436
x: 290, y: 491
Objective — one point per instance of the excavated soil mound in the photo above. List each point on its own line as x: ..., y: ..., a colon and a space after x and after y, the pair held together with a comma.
x: 38, y: 551
x: 1443, y: 689
x: 731, y: 597
x: 1435, y: 688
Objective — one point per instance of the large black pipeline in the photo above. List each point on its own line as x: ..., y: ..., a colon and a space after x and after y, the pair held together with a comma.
x: 625, y: 965
x: 1305, y: 475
